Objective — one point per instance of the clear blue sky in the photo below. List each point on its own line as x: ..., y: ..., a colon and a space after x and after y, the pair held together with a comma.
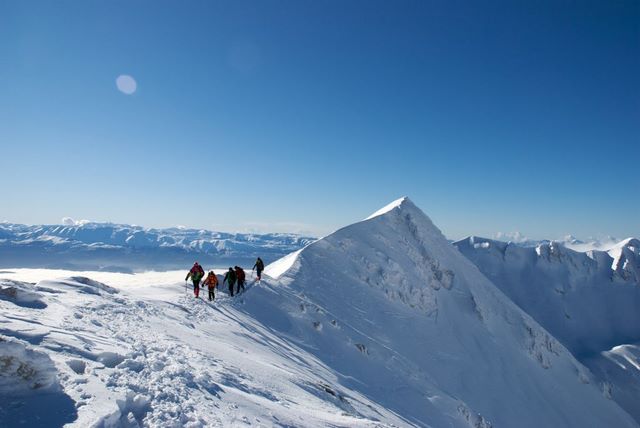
x: 300, y: 115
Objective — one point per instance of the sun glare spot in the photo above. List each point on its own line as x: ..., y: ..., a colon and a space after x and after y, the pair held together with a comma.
x: 126, y: 84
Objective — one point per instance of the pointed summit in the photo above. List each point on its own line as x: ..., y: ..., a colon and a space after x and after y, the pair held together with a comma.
x: 398, y: 203
x: 390, y: 303
x: 400, y: 218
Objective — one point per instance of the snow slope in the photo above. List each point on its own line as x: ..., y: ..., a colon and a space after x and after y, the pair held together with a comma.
x: 382, y: 323
x: 589, y: 300
x: 124, y: 248
x: 98, y: 356
x: 413, y: 324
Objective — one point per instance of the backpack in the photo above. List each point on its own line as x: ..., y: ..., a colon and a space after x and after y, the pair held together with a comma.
x: 230, y: 277
x: 211, y: 281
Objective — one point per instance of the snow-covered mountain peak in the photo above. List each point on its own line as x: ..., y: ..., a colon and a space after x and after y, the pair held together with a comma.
x: 587, y: 299
x: 401, y: 203
x: 400, y: 226
x: 390, y: 302
x: 632, y: 243
x: 382, y: 323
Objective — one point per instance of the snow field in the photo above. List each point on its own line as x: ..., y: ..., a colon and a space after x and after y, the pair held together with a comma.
x: 382, y: 323
x: 130, y: 361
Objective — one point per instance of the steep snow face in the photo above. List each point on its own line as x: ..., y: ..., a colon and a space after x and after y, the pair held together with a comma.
x: 409, y: 322
x: 124, y: 248
x: 619, y: 369
x: 626, y: 260
x: 589, y: 301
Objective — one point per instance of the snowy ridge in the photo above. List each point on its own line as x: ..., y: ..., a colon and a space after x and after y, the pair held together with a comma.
x: 569, y: 241
x: 356, y: 291
x: 570, y: 293
x: 124, y: 248
x: 393, y: 205
x: 380, y: 324
x: 588, y: 300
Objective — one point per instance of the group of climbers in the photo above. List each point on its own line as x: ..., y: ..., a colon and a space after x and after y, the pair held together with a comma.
x: 235, y: 275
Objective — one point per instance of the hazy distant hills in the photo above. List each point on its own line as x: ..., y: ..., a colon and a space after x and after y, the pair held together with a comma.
x: 126, y: 248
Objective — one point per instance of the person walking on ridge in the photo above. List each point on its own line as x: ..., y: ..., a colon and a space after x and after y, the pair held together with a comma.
x: 212, y: 282
x: 196, y: 273
x: 230, y: 279
x: 258, y: 267
x: 240, y: 276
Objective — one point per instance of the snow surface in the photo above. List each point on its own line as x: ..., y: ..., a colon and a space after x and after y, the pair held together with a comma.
x: 125, y: 359
x: 572, y: 294
x: 619, y: 368
x: 590, y: 301
x: 393, y: 205
x: 382, y: 323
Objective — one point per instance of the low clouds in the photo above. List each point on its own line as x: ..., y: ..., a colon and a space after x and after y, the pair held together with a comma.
x: 68, y: 221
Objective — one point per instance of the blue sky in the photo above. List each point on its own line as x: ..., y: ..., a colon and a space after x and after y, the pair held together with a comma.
x: 305, y: 116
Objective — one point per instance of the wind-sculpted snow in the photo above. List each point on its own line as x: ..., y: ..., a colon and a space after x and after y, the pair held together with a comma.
x: 408, y: 321
x: 381, y: 324
x: 30, y: 393
x: 122, y: 248
x: 154, y: 356
x: 589, y: 300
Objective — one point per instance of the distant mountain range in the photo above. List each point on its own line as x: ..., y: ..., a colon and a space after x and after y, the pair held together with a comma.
x: 126, y: 248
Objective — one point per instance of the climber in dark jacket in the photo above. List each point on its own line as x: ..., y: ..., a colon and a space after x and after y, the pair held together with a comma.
x: 240, y: 276
x: 230, y: 279
x: 259, y: 267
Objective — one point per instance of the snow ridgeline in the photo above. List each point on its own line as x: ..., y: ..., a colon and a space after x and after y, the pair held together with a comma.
x: 430, y: 325
x: 124, y: 248
x: 382, y: 323
x: 590, y: 301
